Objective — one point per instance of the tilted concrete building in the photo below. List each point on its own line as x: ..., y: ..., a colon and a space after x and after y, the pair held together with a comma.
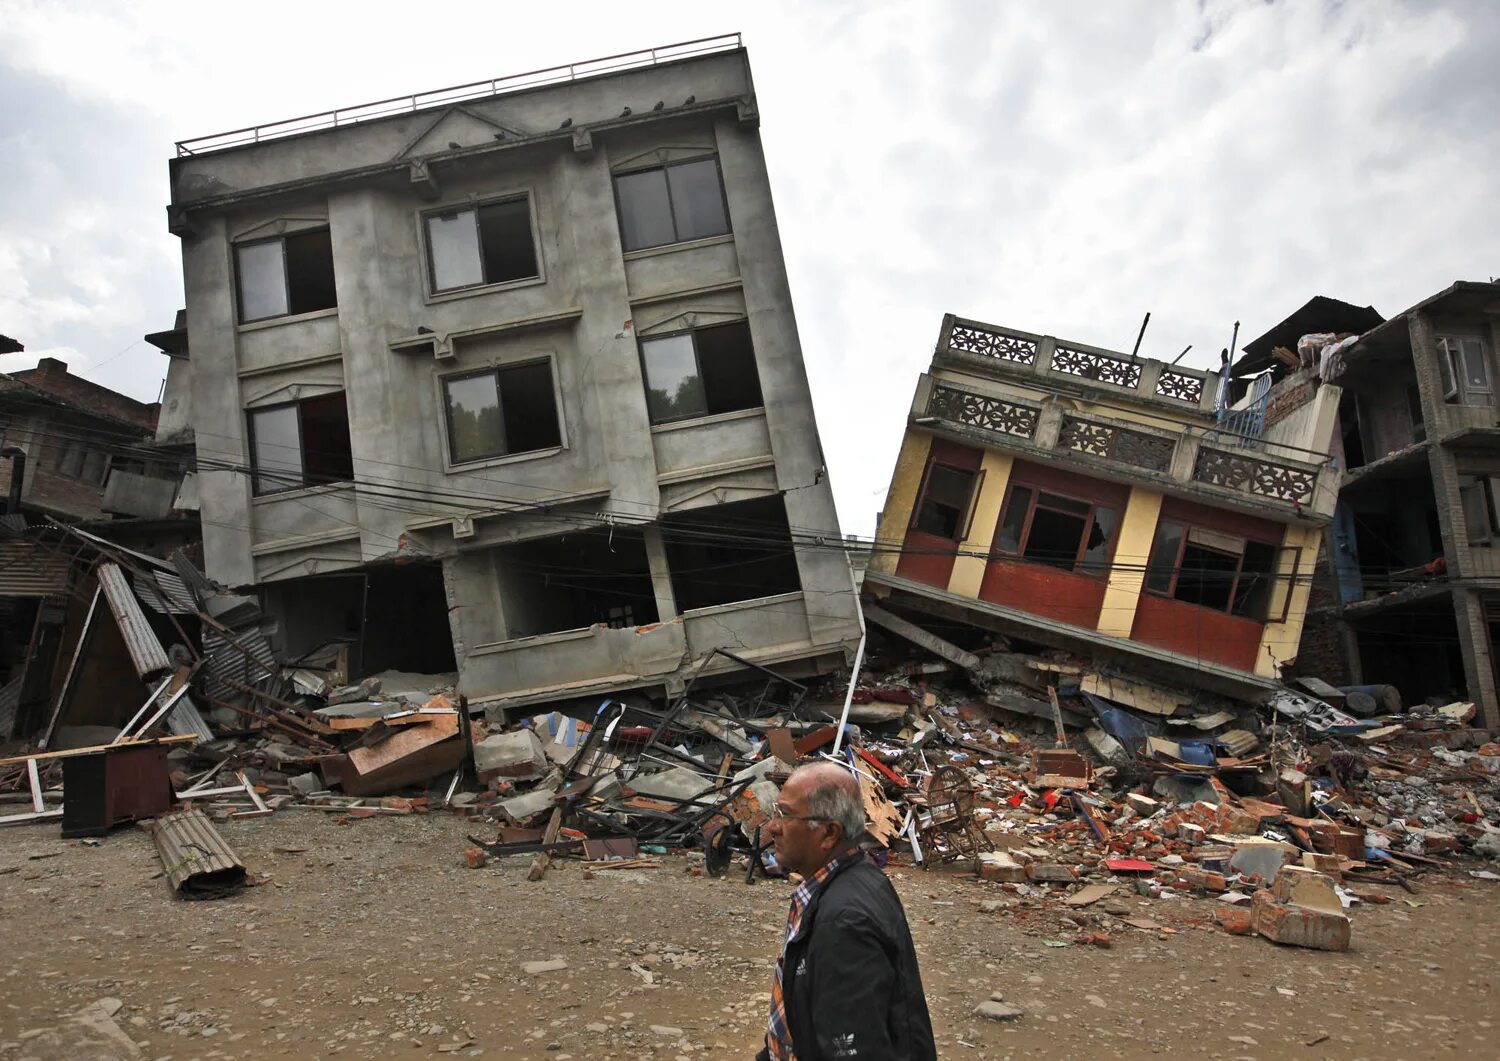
x: 1413, y: 590
x: 1084, y: 499
x: 506, y: 377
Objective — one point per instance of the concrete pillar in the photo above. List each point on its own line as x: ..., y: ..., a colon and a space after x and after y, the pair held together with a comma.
x: 1127, y: 573
x: 900, y: 499
x: 1479, y: 663
x: 973, y: 551
x: 661, y: 576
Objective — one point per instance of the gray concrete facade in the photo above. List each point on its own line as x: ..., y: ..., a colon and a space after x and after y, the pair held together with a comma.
x: 392, y: 341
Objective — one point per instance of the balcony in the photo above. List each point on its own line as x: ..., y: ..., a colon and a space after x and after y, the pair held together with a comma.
x: 1195, y: 460
x: 1041, y: 360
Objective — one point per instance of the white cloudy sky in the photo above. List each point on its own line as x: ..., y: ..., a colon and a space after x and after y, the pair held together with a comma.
x: 1058, y: 167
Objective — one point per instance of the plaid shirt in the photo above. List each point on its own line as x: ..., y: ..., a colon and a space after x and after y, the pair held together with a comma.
x: 778, y: 1036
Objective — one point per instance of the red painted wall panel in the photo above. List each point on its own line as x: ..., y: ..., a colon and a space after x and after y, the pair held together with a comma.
x: 1045, y: 591
x: 927, y: 558
x: 1195, y: 631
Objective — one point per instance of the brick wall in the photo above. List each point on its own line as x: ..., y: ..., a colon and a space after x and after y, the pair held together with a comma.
x: 52, y: 376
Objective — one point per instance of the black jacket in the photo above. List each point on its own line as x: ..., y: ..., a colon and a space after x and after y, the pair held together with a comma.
x: 851, y: 985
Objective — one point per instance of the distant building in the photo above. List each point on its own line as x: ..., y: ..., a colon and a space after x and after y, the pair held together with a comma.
x: 1083, y: 499
x: 506, y: 379
x: 1411, y: 597
x: 73, y: 434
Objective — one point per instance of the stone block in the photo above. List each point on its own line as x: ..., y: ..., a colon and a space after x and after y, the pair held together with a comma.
x: 1306, y: 888
x: 1051, y: 873
x: 1328, y: 864
x: 999, y: 866
x: 518, y: 755
x: 1297, y: 926
x: 519, y: 808
x: 1143, y: 805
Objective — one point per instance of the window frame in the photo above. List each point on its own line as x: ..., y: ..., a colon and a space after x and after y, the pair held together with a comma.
x: 442, y: 379
x: 424, y: 237
x: 255, y: 473
x: 965, y: 522
x: 640, y: 348
x: 280, y: 239
x: 1022, y: 539
x: 1453, y: 363
x: 1278, y: 551
x: 676, y: 241
x: 1482, y: 484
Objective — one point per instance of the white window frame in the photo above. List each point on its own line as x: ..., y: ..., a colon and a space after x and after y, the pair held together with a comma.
x: 475, y: 202
x: 1454, y: 350
x: 439, y: 384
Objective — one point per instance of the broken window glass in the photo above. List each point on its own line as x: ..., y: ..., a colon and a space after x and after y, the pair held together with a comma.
x: 501, y: 411
x: 286, y: 275
x: 945, y: 501
x: 671, y: 204
x: 489, y: 244
x: 301, y: 444
x: 700, y: 373
x: 1062, y: 532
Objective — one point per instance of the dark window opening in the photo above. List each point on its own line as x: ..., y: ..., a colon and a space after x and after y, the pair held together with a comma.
x: 571, y: 581
x: 671, y: 204
x: 1213, y: 570
x: 286, y: 275
x: 700, y: 373
x: 501, y: 411
x: 300, y: 444
x: 727, y: 553
x: 489, y: 244
x: 1063, y: 532
x: 944, y: 503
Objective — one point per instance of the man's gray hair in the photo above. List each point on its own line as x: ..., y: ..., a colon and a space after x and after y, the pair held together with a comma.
x: 837, y: 799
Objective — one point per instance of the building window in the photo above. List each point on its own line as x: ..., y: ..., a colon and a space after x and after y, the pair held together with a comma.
x: 79, y: 461
x: 727, y: 553
x: 1059, y: 531
x: 300, y: 444
x: 487, y: 244
x: 501, y: 411
x: 1477, y: 492
x: 286, y: 275
x: 671, y: 204
x: 1213, y: 570
x: 700, y: 373
x: 944, y: 505
x: 1463, y: 363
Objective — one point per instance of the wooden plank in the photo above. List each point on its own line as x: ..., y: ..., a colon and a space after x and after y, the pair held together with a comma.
x: 917, y: 636
x: 67, y: 752
x: 405, y: 741
x: 65, y: 694
x: 543, y: 859
x: 1142, y: 696
x: 34, y: 779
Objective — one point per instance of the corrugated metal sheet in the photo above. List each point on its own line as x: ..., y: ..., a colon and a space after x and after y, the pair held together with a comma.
x: 165, y: 593
x: 145, y: 650
x: 199, y: 864
x: 10, y: 696
x: 222, y: 660
x: 29, y: 569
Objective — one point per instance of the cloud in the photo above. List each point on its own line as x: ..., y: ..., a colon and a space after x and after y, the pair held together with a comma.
x: 1057, y: 168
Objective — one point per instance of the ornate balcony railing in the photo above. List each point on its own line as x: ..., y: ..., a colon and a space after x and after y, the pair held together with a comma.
x: 1043, y: 355
x: 1092, y: 365
x: 983, y: 411
x: 1139, y: 449
x: 1254, y: 475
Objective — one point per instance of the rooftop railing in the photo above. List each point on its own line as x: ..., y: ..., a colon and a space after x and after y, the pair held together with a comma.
x: 384, y: 108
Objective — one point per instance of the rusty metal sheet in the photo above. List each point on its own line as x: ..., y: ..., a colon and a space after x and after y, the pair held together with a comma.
x: 27, y: 569
x: 199, y: 864
x: 146, y: 653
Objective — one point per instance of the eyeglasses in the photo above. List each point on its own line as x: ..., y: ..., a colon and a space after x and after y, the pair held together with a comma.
x: 777, y: 814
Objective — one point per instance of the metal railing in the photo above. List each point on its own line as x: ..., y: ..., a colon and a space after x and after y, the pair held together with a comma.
x: 384, y: 108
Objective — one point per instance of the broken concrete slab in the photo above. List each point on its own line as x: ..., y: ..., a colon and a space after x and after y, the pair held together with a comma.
x: 518, y: 755
x: 676, y: 783
x: 528, y: 805
x: 1296, y: 926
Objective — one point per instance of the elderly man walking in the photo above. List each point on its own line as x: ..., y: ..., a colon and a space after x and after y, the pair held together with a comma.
x: 847, y: 984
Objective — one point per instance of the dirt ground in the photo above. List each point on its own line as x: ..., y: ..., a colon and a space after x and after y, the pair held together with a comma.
x: 374, y: 941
